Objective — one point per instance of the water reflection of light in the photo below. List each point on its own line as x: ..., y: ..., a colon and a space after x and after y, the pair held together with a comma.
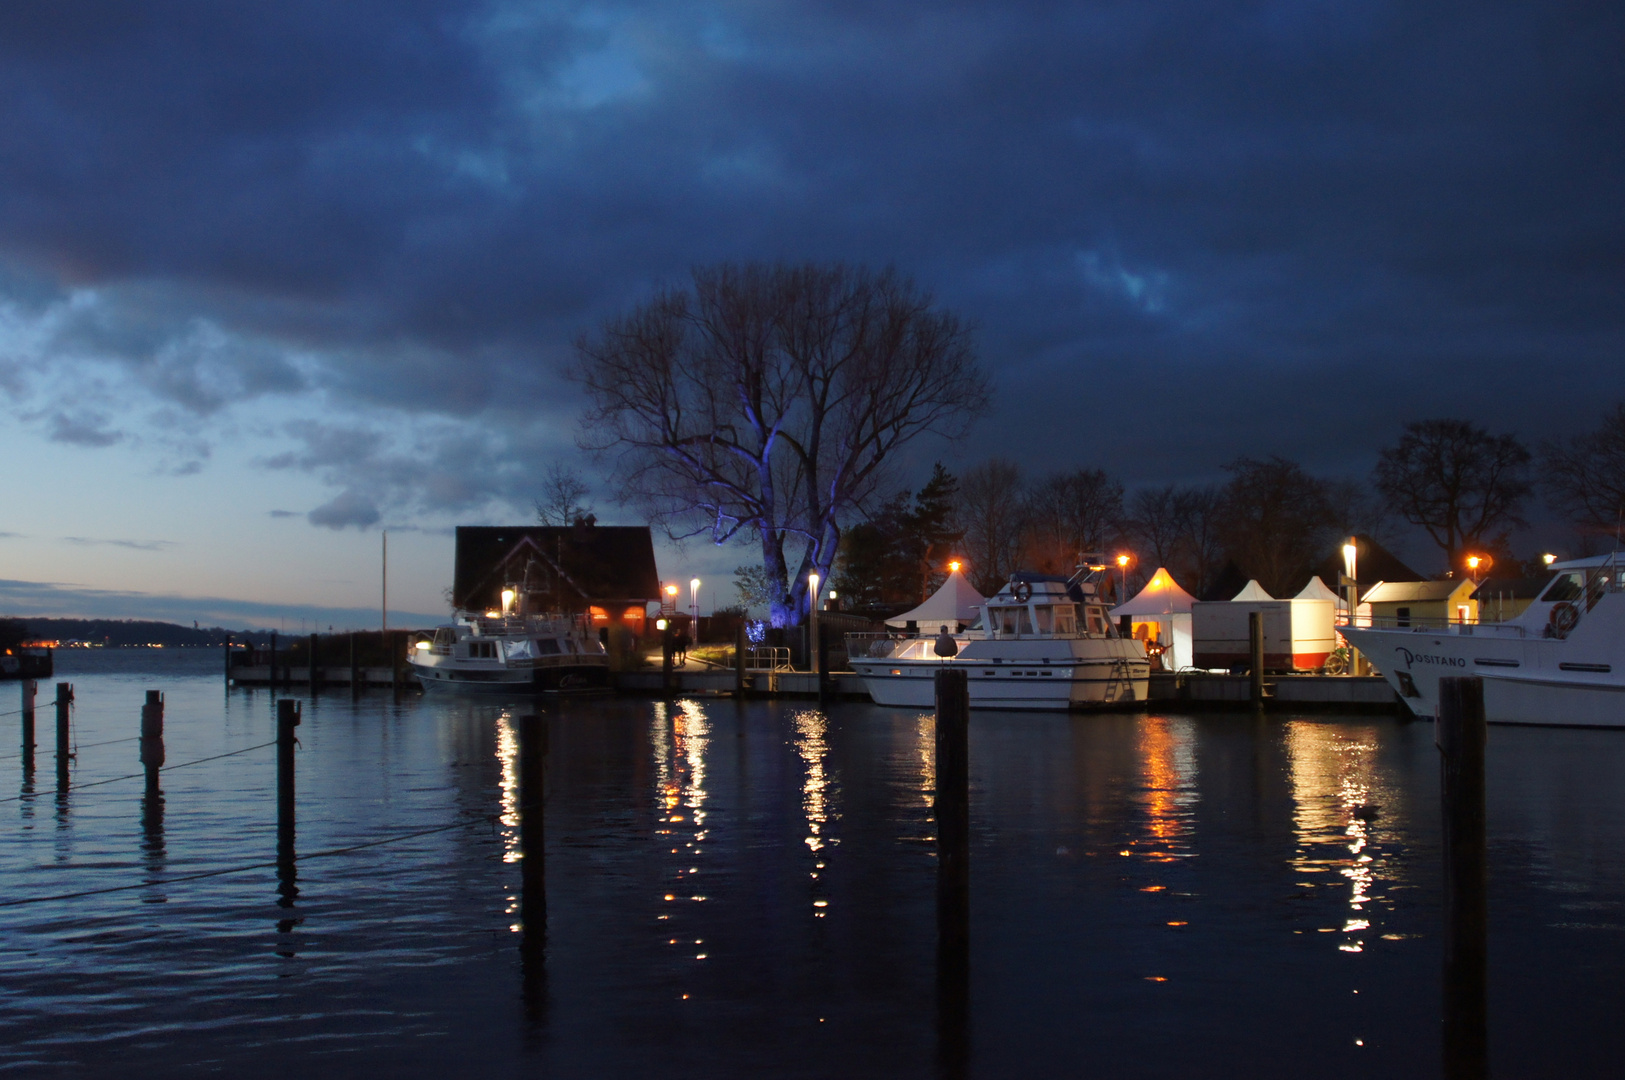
x: 679, y: 736
x: 1168, y: 790
x: 508, y: 755
x: 817, y: 795
x: 1333, y: 774
x: 925, y: 744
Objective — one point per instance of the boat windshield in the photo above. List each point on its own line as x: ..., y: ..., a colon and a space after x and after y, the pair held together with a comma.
x: 1567, y: 586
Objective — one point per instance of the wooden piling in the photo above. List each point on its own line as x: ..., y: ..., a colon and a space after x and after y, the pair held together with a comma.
x: 952, y: 811
x: 152, y: 736
x: 30, y: 695
x: 287, y: 718
x: 1255, y: 655
x: 64, y: 703
x: 1461, y: 734
x: 315, y: 670
x: 665, y: 660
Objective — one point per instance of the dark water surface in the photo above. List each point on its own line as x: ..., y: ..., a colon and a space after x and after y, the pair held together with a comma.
x: 750, y: 891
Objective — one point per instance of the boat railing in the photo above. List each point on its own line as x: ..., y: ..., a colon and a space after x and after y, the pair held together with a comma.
x: 876, y: 646
x: 1424, y: 624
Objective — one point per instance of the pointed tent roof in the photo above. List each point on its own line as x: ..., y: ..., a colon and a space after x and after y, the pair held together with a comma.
x: 955, y: 602
x: 1317, y: 590
x: 1253, y: 591
x: 1161, y: 596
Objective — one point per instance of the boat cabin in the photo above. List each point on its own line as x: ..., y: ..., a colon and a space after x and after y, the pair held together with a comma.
x: 1042, y: 606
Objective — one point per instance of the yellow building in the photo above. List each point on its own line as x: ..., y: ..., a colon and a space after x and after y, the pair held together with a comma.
x: 1419, y: 603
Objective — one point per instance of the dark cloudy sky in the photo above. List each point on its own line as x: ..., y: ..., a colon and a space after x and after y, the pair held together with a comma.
x: 273, y: 276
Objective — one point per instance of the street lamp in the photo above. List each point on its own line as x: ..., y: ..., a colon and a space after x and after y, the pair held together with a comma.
x: 694, y: 602
x: 953, y: 566
x: 1351, y: 589
x: 1122, y: 577
x: 812, y: 623
x: 1548, y: 559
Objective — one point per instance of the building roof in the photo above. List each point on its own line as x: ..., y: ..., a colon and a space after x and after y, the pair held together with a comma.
x: 1372, y: 563
x: 1401, y: 592
x: 567, y: 566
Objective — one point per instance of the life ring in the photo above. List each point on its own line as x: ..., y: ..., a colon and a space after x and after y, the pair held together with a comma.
x: 1023, y: 591
x: 1564, y: 618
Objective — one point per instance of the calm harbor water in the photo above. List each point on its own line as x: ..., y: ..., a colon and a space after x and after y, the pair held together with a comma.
x: 748, y: 890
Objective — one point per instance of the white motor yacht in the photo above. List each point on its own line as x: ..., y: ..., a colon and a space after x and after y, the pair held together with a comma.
x: 511, y: 651
x: 1561, y: 662
x: 1042, y: 642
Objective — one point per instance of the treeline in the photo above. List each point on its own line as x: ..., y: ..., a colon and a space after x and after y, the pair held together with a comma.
x: 119, y: 633
x: 1463, y: 486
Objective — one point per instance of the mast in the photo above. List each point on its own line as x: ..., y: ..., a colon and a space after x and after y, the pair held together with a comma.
x: 385, y: 626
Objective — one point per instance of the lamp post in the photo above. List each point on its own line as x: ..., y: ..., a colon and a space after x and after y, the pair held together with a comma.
x: 1351, y: 589
x: 812, y: 623
x: 694, y: 608
x: 1122, y: 579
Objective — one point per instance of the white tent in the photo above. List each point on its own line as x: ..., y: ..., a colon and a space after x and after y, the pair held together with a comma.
x: 1317, y: 590
x: 1253, y: 591
x: 1162, y: 612
x: 955, y: 606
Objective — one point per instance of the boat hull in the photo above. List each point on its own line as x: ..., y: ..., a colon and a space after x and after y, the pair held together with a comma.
x: 574, y: 678
x: 1525, y: 681
x: 1104, y: 684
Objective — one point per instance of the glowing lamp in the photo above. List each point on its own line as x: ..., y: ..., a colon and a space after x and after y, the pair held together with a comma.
x: 832, y: 594
x: 660, y: 624
x: 1473, y: 561
x: 671, y: 590
x: 422, y: 646
x: 953, y: 566
x: 507, y: 600
x: 1548, y: 559
x: 1348, y: 558
x: 1122, y: 560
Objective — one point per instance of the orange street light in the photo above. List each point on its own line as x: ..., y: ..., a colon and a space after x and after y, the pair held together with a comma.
x: 953, y: 566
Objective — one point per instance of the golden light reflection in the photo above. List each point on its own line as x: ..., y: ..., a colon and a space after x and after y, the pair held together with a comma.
x: 680, y: 734
x: 508, y: 755
x: 818, y: 796
x: 925, y: 748
x: 1334, y: 791
x: 1168, y: 793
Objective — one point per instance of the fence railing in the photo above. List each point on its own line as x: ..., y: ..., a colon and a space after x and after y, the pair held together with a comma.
x: 768, y: 658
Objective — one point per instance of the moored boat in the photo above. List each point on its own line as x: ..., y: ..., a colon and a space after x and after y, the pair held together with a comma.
x: 511, y: 650
x: 1560, y: 662
x: 1043, y: 642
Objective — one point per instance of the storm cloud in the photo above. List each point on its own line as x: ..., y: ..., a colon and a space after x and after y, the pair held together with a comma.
x: 1185, y: 231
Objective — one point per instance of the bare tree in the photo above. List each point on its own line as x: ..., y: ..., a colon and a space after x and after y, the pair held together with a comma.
x: 766, y: 401
x: 1274, y: 520
x: 1455, y: 480
x: 1154, y: 524
x: 1072, y: 513
x: 1201, y: 550
x: 561, y: 500
x: 991, y: 511
x: 1585, y: 476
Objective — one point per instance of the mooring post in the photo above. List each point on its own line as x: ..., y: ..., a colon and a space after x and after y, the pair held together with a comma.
x: 152, y: 736
x: 952, y: 811
x: 532, y: 863
x: 64, y: 702
x: 30, y: 694
x: 739, y: 660
x: 1461, y: 735
x: 315, y: 671
x: 1255, y: 655
x: 665, y: 659
x: 287, y: 718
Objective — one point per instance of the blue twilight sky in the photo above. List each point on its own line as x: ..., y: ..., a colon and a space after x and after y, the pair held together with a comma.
x: 276, y: 276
